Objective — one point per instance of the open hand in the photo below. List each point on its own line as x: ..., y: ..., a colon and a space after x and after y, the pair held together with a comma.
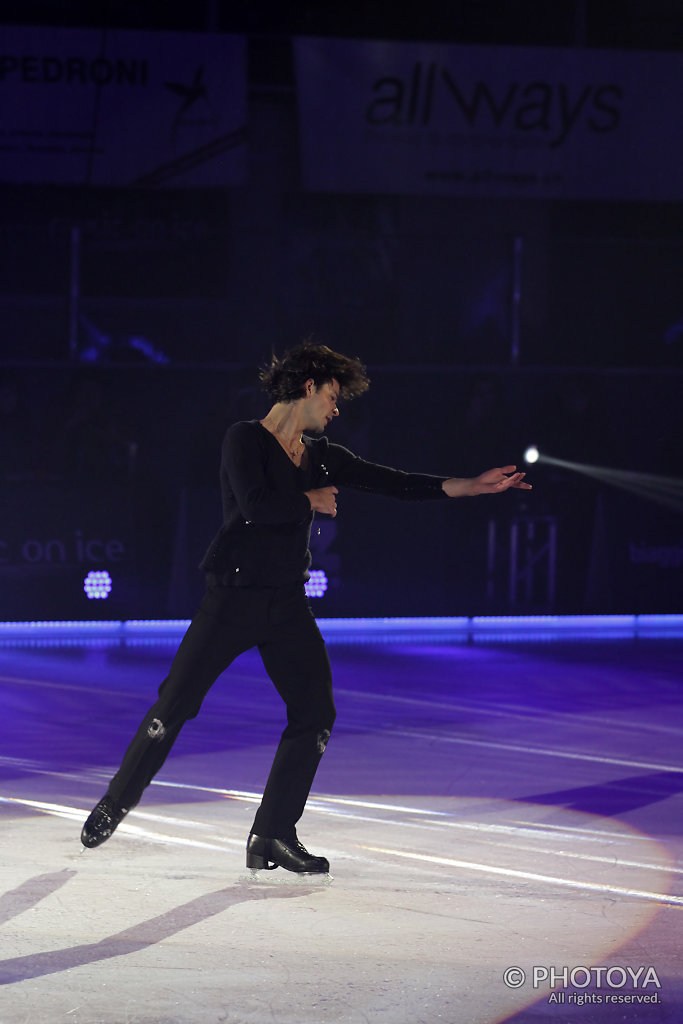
x: 493, y: 481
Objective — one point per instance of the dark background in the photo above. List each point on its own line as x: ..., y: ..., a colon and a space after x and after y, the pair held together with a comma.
x: 185, y: 292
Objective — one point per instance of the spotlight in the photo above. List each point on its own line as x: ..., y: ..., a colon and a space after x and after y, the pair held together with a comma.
x: 532, y: 454
x: 317, y: 584
x: 97, y: 584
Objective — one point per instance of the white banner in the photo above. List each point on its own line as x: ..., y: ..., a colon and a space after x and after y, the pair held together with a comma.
x: 83, y: 106
x: 489, y: 121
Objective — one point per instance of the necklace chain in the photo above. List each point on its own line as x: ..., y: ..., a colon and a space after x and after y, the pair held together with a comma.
x: 295, y: 453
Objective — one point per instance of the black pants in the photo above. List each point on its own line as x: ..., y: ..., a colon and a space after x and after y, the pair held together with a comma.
x: 229, y: 621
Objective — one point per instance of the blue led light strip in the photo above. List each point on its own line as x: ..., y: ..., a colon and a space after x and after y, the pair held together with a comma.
x: 441, y: 627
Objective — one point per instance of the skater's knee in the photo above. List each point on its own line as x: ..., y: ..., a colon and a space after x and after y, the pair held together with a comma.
x: 311, y: 719
x: 326, y: 715
x: 325, y: 727
x: 168, y: 714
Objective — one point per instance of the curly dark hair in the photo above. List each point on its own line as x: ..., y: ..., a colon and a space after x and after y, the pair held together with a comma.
x: 285, y: 377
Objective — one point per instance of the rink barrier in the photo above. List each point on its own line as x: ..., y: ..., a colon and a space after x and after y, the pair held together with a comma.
x: 434, y: 629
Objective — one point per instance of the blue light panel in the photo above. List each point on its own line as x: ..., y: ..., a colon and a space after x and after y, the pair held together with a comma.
x: 97, y: 584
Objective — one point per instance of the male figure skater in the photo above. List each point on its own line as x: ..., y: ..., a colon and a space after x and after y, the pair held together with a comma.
x: 273, y: 479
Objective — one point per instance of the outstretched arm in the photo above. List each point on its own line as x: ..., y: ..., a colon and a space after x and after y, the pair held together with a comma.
x: 493, y: 481
x: 347, y: 470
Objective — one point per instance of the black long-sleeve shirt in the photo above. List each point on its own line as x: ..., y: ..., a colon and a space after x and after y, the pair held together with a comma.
x: 266, y: 515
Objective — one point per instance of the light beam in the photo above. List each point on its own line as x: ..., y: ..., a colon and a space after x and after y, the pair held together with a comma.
x: 664, y: 490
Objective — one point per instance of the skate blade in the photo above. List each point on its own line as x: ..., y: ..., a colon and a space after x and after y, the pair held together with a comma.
x: 262, y: 877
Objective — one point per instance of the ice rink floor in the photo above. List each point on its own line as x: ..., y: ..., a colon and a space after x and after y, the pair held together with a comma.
x: 503, y: 821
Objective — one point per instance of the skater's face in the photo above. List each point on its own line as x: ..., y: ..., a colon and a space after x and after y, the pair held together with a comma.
x: 321, y: 403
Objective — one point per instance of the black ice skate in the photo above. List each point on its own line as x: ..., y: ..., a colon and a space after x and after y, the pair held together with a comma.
x: 101, y: 822
x: 265, y: 854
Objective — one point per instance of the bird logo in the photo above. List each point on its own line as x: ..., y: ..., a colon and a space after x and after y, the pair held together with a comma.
x: 190, y: 95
